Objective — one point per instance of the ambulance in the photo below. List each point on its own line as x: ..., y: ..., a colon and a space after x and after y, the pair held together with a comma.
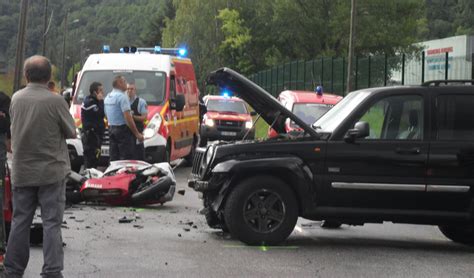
x: 165, y: 79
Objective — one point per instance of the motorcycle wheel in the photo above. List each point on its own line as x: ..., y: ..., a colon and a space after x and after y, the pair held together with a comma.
x: 152, y: 191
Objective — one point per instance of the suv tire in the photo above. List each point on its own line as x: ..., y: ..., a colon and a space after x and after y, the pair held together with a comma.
x: 459, y: 233
x: 271, y: 211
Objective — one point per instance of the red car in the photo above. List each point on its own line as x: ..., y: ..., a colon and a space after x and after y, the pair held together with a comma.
x: 227, y: 118
x: 307, y: 105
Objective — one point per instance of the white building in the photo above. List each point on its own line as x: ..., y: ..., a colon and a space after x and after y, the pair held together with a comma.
x: 460, y: 50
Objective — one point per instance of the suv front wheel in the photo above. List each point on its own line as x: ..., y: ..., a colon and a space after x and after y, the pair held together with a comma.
x: 261, y: 210
x: 459, y: 233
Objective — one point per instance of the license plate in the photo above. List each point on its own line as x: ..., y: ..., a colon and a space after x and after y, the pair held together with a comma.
x: 228, y: 133
x: 104, y: 151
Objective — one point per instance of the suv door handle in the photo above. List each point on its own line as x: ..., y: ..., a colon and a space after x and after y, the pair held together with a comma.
x: 408, y: 151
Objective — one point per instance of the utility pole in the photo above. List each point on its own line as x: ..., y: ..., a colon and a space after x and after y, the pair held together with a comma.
x: 63, y: 62
x: 350, y: 72
x: 20, y: 45
x: 45, y: 27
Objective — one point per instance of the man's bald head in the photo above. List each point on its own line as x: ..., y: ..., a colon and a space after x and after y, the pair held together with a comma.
x: 37, y: 69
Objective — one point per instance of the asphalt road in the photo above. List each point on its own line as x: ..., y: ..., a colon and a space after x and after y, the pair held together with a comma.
x: 162, y: 242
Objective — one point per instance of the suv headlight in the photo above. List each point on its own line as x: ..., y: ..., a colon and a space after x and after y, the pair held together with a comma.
x: 78, y: 133
x: 207, y: 159
x: 153, y: 127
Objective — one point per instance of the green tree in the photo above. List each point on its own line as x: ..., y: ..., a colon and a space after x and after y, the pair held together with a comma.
x: 236, y: 38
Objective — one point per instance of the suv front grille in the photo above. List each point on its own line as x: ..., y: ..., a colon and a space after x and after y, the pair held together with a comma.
x: 197, y: 161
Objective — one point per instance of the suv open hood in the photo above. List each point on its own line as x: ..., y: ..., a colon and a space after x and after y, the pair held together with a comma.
x: 261, y: 101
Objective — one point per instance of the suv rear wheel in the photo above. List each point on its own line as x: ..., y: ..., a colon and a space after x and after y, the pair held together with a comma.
x: 261, y: 210
x: 459, y: 233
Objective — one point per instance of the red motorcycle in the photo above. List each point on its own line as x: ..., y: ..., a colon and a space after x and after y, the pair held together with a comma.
x: 124, y: 182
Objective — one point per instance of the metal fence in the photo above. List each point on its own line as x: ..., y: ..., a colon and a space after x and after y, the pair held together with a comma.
x: 370, y: 71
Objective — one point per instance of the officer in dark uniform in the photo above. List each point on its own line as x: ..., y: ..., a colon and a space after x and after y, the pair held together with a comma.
x: 93, y: 127
x: 139, y: 114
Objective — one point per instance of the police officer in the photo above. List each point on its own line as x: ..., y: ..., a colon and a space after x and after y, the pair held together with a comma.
x: 92, y: 117
x: 122, y: 129
x: 139, y: 114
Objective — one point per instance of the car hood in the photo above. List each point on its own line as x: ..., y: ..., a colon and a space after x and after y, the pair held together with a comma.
x: 260, y: 100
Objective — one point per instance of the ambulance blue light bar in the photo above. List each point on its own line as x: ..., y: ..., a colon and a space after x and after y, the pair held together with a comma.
x: 180, y: 52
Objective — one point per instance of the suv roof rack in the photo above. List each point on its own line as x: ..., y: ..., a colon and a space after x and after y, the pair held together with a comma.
x: 446, y: 82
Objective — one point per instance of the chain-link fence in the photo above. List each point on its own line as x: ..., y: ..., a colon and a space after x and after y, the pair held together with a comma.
x: 370, y: 71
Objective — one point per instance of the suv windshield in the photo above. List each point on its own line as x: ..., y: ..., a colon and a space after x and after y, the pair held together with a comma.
x: 310, y: 112
x: 329, y: 121
x: 226, y: 105
x: 150, y: 84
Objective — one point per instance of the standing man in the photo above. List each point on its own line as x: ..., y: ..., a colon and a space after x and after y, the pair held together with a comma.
x: 139, y: 114
x: 5, y: 147
x: 40, y: 124
x: 122, y: 129
x: 93, y: 127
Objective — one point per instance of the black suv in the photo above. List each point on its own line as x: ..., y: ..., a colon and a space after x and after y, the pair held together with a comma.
x: 400, y: 154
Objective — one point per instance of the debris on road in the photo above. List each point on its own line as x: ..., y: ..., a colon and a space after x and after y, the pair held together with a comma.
x: 181, y: 192
x: 186, y: 229
x: 179, y: 235
x: 99, y: 208
x: 125, y: 220
x: 138, y: 226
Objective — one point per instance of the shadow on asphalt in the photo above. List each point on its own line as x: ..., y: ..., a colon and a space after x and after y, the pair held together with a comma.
x: 329, y: 242
x: 324, y: 241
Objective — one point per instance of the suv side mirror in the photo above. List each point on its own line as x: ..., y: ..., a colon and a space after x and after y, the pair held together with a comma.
x: 253, y: 113
x: 178, y: 103
x: 360, y: 130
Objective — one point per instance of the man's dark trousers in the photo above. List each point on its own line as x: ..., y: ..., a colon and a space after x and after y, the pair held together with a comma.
x: 91, y: 141
x: 121, y: 143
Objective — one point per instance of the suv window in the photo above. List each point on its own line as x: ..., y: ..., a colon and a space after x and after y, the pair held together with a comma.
x: 454, y: 115
x: 396, y: 118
